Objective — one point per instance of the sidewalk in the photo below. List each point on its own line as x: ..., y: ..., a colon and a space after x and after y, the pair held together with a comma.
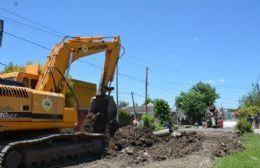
x: 256, y: 131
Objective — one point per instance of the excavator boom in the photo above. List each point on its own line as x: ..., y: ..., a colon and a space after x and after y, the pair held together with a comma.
x: 64, y: 53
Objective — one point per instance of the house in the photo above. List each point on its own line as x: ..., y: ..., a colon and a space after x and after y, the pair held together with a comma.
x: 138, y: 111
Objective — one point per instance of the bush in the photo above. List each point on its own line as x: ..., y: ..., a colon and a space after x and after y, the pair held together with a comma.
x: 123, y: 118
x: 69, y: 97
x: 244, y: 126
x: 158, y: 127
x: 148, y: 120
x: 162, y: 111
x: 248, y: 110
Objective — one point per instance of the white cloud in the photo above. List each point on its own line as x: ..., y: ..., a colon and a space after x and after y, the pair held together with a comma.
x: 195, y: 38
x: 192, y: 39
x: 212, y: 82
x: 221, y: 80
x: 172, y: 56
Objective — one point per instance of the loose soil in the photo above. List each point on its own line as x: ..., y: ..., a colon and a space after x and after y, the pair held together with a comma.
x: 138, y: 146
x: 135, y: 147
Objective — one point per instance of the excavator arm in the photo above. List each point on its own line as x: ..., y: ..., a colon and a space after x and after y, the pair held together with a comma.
x: 65, y: 53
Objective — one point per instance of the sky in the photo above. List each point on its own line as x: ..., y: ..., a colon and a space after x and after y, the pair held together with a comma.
x: 181, y: 41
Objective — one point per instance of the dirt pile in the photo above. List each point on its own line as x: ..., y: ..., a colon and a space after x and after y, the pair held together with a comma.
x: 224, y: 149
x: 140, y: 145
x: 136, y: 137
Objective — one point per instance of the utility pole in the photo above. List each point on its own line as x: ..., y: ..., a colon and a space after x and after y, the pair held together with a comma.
x: 1, y: 31
x: 257, y: 85
x: 146, y: 89
x: 133, y: 101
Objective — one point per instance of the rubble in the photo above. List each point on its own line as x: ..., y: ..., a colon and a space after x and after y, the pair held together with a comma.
x: 224, y: 149
x: 140, y: 145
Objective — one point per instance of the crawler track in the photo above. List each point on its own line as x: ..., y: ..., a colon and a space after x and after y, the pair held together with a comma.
x: 49, y: 149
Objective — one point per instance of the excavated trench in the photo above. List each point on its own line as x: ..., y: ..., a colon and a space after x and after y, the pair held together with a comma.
x: 139, y: 147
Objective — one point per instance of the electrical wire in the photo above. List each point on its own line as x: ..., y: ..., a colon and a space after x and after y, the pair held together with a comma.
x: 30, y: 26
x: 56, y: 33
x: 32, y: 21
x: 26, y: 40
x: 137, y: 94
x: 166, y: 68
x: 131, y: 77
x: 120, y: 74
x: 96, y: 66
x: 59, y: 34
x: 3, y: 64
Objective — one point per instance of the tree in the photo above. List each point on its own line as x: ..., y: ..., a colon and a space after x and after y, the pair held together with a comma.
x: 69, y: 97
x: 13, y: 68
x: 208, y: 92
x: 123, y: 103
x: 249, y: 105
x: 196, y: 100
x: 248, y: 110
x: 123, y: 117
x: 148, y: 120
x: 162, y: 111
x: 149, y: 100
x: 252, y: 98
x: 231, y: 110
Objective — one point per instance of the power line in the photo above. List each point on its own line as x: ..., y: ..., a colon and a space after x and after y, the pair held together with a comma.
x: 167, y: 68
x: 3, y: 64
x: 129, y: 93
x: 43, y: 47
x: 94, y: 65
x: 28, y: 41
x: 124, y: 93
x: 57, y: 33
x: 191, y: 84
x: 130, y: 77
x: 32, y: 21
x: 120, y: 74
x: 137, y: 94
x: 50, y: 29
x: 46, y: 48
x: 30, y: 26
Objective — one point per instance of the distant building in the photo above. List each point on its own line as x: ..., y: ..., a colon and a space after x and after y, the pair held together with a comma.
x: 140, y: 110
x: 179, y: 116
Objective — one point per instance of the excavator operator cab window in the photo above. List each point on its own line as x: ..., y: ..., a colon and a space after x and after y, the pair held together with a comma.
x: 26, y: 82
x: 33, y: 83
x: 10, y: 78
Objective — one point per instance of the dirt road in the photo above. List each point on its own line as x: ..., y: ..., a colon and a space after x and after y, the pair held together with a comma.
x: 198, y: 151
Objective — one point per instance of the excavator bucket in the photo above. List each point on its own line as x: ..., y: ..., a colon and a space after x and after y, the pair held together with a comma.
x: 103, y: 110
x: 1, y: 31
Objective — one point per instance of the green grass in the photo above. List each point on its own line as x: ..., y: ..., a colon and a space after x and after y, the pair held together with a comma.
x: 248, y: 158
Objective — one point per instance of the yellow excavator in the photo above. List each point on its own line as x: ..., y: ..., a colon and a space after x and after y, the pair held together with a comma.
x: 32, y: 121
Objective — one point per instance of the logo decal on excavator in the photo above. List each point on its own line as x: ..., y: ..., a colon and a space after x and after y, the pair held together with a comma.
x: 4, y: 113
x: 47, y: 104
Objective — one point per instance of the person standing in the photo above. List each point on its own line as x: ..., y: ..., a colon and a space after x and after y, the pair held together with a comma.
x: 257, y: 120
x: 250, y: 120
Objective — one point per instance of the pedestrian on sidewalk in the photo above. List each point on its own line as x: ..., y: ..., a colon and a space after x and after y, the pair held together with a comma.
x: 257, y: 120
x: 250, y: 119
